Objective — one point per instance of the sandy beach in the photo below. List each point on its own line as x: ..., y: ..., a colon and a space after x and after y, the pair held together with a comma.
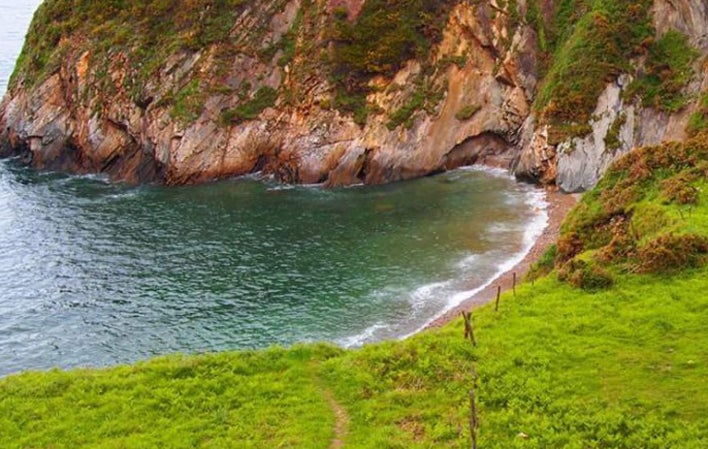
x: 559, y: 204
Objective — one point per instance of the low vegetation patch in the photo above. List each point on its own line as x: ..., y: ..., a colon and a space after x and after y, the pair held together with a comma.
x: 698, y: 122
x: 612, y: 139
x: 665, y: 74
x: 635, y: 221
x: 384, y: 36
x: 467, y: 112
x: 264, y: 97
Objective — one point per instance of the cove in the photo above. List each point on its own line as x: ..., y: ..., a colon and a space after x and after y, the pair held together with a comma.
x: 96, y: 274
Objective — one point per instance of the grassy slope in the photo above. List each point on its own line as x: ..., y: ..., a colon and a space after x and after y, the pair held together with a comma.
x: 558, y: 366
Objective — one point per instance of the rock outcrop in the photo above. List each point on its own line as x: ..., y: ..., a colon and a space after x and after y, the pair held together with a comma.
x: 264, y: 98
x: 620, y: 123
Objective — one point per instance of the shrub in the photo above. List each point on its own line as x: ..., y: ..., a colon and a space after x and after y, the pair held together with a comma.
x: 666, y: 73
x: 601, y: 37
x: 569, y: 246
x: 619, y: 198
x: 698, y: 121
x: 612, y: 139
x: 670, y: 253
x: 584, y: 275
x: 386, y: 34
x: 404, y: 115
x: 678, y: 189
x: 545, y: 263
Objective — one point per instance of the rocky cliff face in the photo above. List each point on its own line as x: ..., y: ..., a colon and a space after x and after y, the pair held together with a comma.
x: 265, y: 86
x: 619, y: 121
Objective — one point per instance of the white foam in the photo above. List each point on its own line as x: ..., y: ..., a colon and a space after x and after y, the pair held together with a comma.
x: 124, y: 195
x: 494, y: 171
x: 468, y: 262
x: 426, y: 290
x: 536, y: 199
x: 422, y: 295
x: 358, y: 340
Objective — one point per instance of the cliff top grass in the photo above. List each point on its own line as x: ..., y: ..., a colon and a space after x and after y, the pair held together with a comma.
x: 571, y: 361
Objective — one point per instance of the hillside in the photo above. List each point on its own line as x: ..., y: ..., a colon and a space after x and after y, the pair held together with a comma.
x: 344, y: 92
x: 606, y: 348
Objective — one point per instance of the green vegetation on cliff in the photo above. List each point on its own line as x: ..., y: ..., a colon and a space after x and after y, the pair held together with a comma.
x: 148, y: 31
x: 583, y: 45
x: 608, y: 349
x: 588, y: 44
x: 667, y: 71
x: 698, y: 122
x: 384, y: 36
x: 592, y: 42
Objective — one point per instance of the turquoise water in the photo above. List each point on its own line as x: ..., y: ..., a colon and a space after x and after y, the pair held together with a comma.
x: 94, y: 274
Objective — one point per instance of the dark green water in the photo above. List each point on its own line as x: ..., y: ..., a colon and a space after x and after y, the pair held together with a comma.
x: 97, y: 274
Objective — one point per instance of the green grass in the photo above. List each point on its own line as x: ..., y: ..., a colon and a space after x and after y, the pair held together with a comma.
x: 262, y: 399
x: 621, y: 368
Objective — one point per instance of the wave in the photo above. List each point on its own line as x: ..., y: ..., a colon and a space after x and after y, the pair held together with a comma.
x: 358, y: 340
x: 536, y: 201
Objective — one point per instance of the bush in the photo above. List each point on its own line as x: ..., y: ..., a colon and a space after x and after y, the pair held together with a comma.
x: 671, y: 253
x: 598, y: 38
x: 678, y: 189
x: 667, y: 71
x: 386, y: 34
x: 586, y: 276
x: 404, y: 115
x: 698, y: 121
x: 569, y: 246
x: 545, y: 263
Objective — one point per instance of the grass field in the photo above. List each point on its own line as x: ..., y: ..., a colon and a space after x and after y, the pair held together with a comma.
x: 615, y: 355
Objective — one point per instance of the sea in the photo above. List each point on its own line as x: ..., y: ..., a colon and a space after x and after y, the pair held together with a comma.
x: 95, y: 273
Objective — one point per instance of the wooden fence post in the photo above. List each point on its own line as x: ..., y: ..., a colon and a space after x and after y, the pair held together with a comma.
x: 474, y: 422
x: 469, y: 330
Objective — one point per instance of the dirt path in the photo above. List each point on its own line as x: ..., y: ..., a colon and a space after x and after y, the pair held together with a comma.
x: 341, y: 417
x: 341, y: 425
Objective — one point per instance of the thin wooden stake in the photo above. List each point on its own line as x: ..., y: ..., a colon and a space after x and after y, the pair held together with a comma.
x: 469, y: 330
x: 496, y: 308
x: 474, y: 422
x: 514, y: 284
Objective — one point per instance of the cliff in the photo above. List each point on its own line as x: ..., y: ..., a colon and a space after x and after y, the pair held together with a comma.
x: 349, y: 91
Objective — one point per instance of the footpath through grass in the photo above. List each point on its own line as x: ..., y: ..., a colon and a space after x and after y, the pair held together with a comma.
x: 608, y: 350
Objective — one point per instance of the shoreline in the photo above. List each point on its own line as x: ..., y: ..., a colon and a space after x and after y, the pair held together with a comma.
x: 559, y: 204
